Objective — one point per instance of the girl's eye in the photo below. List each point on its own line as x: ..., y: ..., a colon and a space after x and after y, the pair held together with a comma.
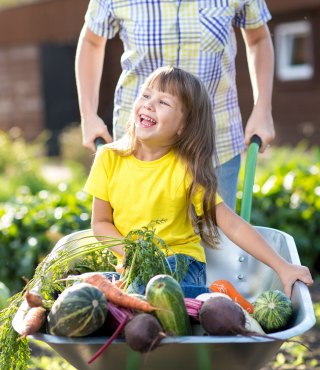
x: 164, y: 102
x: 146, y: 96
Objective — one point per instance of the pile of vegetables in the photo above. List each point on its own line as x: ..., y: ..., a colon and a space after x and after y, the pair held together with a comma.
x: 79, y: 300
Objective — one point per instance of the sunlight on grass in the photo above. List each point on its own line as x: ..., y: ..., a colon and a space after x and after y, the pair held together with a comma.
x: 294, y: 356
x: 43, y: 357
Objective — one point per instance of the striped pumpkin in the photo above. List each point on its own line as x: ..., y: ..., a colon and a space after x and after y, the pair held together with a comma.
x: 272, y: 310
x: 79, y: 311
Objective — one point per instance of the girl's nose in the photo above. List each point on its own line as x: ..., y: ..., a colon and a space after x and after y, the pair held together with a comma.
x: 148, y: 105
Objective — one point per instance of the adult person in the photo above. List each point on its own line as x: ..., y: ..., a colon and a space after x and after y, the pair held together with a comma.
x: 197, y: 36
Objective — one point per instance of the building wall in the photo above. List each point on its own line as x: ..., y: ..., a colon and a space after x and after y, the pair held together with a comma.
x: 26, y: 31
x: 40, y: 22
x: 21, y: 102
x: 296, y: 107
x: 37, y: 51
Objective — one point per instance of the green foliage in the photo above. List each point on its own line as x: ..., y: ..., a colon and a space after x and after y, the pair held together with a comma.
x: 14, y: 353
x: 142, y: 248
x: 5, y: 294
x: 20, y: 164
x: 33, y: 219
x: 287, y: 197
x: 30, y: 225
x: 294, y: 356
x: 43, y: 357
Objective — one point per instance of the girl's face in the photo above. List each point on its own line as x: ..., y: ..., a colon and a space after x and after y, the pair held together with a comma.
x: 159, y: 117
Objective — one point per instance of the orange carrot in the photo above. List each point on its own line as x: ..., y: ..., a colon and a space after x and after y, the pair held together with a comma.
x: 224, y: 286
x: 33, y: 299
x: 116, y: 295
x: 33, y: 321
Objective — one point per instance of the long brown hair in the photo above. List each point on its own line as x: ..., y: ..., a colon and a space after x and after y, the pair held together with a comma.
x: 195, y: 146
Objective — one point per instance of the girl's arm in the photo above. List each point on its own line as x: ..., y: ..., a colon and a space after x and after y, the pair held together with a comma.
x: 247, y: 238
x: 102, y: 223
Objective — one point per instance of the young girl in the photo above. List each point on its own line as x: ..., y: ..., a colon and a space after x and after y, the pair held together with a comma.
x: 164, y: 170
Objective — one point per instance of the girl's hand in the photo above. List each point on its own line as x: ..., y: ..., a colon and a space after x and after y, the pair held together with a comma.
x: 291, y: 273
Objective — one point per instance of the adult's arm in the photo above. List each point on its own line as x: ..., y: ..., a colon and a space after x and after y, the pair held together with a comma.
x: 88, y: 68
x: 260, y: 57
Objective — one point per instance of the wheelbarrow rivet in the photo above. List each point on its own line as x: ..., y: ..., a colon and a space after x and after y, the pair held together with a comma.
x: 241, y: 259
x: 240, y: 276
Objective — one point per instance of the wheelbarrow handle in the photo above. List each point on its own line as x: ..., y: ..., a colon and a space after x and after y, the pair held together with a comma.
x: 99, y: 142
x: 249, y: 171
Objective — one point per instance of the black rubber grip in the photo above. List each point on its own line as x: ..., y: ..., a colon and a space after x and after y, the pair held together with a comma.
x: 99, y: 141
x: 256, y: 139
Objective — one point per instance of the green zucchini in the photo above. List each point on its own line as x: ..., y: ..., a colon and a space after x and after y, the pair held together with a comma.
x: 165, y: 293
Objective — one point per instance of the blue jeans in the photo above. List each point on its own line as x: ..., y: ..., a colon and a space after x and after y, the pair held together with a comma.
x: 227, y: 175
x: 192, y: 278
x: 195, y: 279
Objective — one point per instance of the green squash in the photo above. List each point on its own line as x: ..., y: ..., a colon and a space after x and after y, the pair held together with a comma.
x: 272, y: 310
x: 79, y: 311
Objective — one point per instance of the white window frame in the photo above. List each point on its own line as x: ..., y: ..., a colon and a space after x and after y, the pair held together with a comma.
x: 284, y: 34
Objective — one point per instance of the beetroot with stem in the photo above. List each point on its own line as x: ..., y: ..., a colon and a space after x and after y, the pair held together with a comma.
x: 221, y: 316
x: 143, y: 333
x: 121, y: 316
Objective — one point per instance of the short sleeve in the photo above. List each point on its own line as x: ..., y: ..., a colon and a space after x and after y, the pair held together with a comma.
x: 252, y: 14
x: 197, y: 201
x: 97, y: 182
x: 100, y: 18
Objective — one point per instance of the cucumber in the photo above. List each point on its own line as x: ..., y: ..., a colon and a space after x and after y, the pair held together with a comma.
x: 165, y: 293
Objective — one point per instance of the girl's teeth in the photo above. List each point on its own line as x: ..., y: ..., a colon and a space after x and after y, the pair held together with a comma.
x: 144, y: 118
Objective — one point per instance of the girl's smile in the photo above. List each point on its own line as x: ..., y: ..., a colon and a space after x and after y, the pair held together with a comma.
x: 146, y: 121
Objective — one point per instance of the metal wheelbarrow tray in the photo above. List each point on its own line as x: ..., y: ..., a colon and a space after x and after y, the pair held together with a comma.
x: 200, y: 352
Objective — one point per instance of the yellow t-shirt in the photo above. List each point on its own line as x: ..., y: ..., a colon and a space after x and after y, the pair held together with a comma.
x: 140, y: 192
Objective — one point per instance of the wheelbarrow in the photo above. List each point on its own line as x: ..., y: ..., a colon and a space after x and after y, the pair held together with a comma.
x: 199, y: 351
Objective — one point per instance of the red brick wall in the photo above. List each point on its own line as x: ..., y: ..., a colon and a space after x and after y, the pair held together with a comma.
x: 44, y: 21
x: 22, y: 30
x: 20, y: 90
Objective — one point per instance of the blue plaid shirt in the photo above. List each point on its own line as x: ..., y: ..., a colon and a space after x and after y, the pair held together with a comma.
x: 197, y: 36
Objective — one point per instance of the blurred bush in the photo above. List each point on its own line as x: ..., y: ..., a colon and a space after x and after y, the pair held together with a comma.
x: 40, y: 201
x: 30, y: 225
x: 20, y: 163
x: 287, y: 197
x: 71, y: 148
